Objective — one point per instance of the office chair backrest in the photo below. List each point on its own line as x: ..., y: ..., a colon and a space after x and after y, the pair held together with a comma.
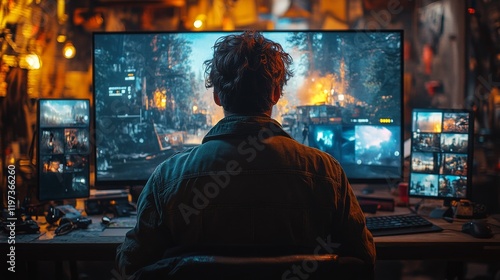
x: 286, y: 267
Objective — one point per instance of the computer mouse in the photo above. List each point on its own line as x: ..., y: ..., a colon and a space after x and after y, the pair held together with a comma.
x: 478, y: 229
x: 105, y: 220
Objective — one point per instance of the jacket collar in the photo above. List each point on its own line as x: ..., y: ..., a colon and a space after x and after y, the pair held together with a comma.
x: 243, y: 125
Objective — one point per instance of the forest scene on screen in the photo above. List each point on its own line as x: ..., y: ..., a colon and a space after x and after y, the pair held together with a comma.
x: 151, y: 101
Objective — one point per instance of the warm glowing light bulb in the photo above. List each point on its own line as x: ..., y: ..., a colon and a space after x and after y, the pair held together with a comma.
x: 33, y: 61
x: 61, y: 38
x: 69, y: 50
x: 198, y: 23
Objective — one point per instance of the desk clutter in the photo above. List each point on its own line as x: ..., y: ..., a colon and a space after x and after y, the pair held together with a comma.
x: 462, y: 209
x: 383, y: 219
x: 62, y: 219
x: 19, y: 224
x: 19, y: 220
x: 68, y: 219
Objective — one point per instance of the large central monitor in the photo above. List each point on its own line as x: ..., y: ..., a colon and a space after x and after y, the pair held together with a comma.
x: 345, y: 99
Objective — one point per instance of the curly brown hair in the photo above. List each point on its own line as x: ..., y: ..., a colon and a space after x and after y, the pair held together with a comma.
x: 245, y: 70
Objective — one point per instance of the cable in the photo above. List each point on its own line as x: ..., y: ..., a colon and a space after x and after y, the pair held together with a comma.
x: 32, y: 148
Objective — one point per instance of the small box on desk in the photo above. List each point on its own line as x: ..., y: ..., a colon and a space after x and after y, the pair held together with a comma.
x: 372, y: 204
x: 109, y: 201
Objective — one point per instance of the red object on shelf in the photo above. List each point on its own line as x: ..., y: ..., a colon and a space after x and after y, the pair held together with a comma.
x: 427, y: 56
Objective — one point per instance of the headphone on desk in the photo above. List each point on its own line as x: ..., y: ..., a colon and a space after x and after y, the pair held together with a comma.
x: 67, y: 221
x: 67, y: 225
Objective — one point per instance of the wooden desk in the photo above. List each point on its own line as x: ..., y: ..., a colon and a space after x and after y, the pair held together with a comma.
x: 80, y: 244
x: 450, y: 244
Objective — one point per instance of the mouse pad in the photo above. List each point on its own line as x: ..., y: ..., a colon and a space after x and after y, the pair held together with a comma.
x: 122, y: 224
x: 114, y: 231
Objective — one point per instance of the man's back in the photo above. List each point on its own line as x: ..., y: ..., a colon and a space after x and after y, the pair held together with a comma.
x: 241, y: 188
x: 250, y: 183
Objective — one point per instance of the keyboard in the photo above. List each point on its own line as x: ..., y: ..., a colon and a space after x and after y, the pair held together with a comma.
x: 399, y: 224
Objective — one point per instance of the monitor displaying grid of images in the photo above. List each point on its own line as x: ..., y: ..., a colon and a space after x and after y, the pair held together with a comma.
x: 441, y: 153
x: 63, y: 148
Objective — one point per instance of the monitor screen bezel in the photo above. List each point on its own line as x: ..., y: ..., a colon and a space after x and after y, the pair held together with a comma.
x: 39, y: 155
x: 470, y: 155
x: 390, y: 181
